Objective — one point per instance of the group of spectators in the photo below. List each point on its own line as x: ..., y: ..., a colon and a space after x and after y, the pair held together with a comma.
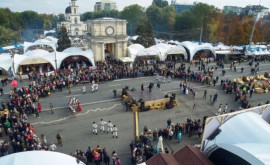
x: 97, y: 155
x: 142, y: 149
x: 24, y: 103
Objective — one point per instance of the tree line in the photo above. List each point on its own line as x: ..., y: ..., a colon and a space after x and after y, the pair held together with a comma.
x: 26, y: 25
x: 215, y: 25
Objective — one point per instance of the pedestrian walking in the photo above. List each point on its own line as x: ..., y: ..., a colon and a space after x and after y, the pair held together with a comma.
x: 114, y: 156
x: 110, y: 127
x: 115, y: 130
x: 242, y: 69
x: 194, y: 107
x: 204, y: 94
x: 179, y: 136
x: 225, y: 108
x: 59, y: 139
x: 39, y: 107
x: 1, y: 91
x: 84, y: 89
x: 37, y: 112
x: 117, y: 161
x: 51, y: 107
x: 69, y: 88
x: 219, y: 109
x: 114, y: 93
x: 94, y: 125
x: 210, y: 98
x: 52, y: 147
x: 79, y: 106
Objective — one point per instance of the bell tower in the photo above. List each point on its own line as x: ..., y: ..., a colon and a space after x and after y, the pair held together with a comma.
x: 75, y: 17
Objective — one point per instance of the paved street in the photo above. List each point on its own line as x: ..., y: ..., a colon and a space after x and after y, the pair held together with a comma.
x: 77, y: 132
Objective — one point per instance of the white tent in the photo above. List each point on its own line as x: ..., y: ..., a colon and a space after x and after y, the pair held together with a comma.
x: 134, y: 49
x: 39, y: 56
x: 48, y: 41
x: 77, y: 52
x: 6, y: 62
x: 39, y: 158
x: 256, y: 50
x: 149, y: 52
x: 244, y: 133
x: 176, y: 50
x: 162, y: 48
x: 194, y: 47
x: 126, y: 60
x: 221, y: 47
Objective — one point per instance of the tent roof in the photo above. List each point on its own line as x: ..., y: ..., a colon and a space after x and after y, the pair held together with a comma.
x: 194, y: 47
x: 127, y: 59
x: 250, y: 130
x: 73, y: 50
x: 40, y: 158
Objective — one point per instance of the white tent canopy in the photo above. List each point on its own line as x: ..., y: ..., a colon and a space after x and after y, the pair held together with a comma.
x: 134, y: 49
x: 176, y: 50
x: 194, y: 47
x: 245, y: 134
x: 6, y: 61
x: 149, y: 52
x: 159, y: 50
x: 48, y: 41
x: 126, y: 60
x: 39, y: 56
x: 39, y: 158
x: 257, y: 50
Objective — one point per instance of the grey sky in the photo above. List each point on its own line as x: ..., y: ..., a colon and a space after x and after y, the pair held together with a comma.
x: 58, y: 6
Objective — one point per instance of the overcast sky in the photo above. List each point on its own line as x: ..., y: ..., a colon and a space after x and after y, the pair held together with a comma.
x: 58, y: 6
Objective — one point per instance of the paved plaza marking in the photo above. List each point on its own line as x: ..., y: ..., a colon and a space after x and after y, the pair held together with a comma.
x: 73, y: 95
x: 115, y: 85
x: 79, y: 114
x: 76, y: 90
x: 84, y: 104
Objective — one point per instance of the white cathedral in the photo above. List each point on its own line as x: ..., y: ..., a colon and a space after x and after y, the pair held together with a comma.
x: 73, y: 22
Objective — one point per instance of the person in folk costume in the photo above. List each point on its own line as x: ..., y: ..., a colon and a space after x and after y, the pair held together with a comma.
x: 84, y: 89
x: 79, y: 106
x: 96, y: 87
x: 110, y: 127
x: 94, y: 125
x: 102, y: 125
x: 115, y: 130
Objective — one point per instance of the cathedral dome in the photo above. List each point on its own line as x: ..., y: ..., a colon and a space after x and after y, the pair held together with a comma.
x: 68, y: 10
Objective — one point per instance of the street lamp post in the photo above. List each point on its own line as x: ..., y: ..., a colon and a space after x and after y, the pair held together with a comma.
x: 55, y: 71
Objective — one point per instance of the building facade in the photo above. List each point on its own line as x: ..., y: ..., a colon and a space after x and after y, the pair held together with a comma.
x: 105, y: 5
x: 73, y: 23
x: 179, y: 8
x: 255, y: 10
x: 108, y: 38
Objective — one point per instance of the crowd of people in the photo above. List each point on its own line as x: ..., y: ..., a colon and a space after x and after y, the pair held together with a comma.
x: 143, y: 149
x: 24, y: 103
x: 97, y: 155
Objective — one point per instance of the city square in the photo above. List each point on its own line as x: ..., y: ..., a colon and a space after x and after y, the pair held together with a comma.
x: 114, y: 87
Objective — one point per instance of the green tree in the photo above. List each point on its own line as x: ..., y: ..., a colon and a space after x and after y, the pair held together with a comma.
x: 145, y: 34
x: 7, y: 36
x: 160, y: 3
x: 63, y: 40
x: 133, y: 19
x: 199, y: 16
